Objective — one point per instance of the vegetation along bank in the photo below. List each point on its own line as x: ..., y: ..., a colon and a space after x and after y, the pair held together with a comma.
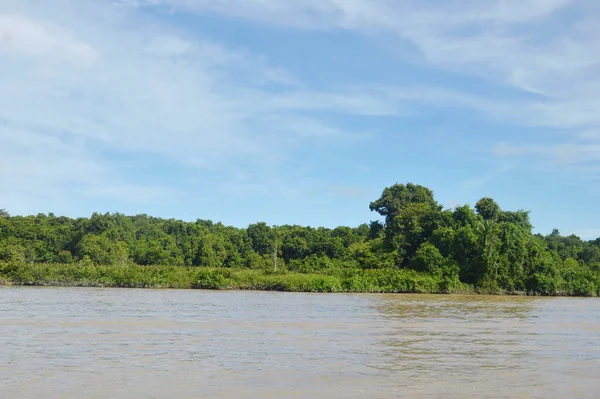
x: 418, y: 247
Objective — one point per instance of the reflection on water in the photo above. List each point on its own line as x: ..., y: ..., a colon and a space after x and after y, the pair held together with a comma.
x: 101, y: 343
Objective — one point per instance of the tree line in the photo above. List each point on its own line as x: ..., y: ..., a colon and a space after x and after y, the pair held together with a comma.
x: 492, y: 249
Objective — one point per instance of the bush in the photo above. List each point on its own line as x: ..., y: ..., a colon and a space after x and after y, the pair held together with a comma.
x: 427, y: 259
x: 65, y: 257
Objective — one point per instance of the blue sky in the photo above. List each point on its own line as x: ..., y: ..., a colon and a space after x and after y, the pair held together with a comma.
x: 299, y: 112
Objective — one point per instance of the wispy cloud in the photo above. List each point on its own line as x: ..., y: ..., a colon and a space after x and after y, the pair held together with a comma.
x: 95, y: 77
x: 24, y: 36
x: 484, y: 179
x: 562, y: 154
x: 543, y: 50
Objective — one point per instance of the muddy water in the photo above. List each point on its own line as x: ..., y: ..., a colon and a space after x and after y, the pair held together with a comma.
x: 125, y: 343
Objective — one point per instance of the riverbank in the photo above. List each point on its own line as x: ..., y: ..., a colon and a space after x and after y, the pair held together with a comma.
x: 350, y: 280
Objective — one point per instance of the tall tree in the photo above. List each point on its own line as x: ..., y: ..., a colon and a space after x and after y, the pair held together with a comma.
x: 411, y: 215
x: 393, y: 199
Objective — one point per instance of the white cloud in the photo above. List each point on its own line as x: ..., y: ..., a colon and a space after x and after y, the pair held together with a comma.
x: 543, y: 49
x: 590, y: 135
x: 355, y: 102
x: 38, y: 171
x: 562, y: 154
x: 21, y: 35
x: 169, y: 46
x: 132, y: 192
x: 80, y: 79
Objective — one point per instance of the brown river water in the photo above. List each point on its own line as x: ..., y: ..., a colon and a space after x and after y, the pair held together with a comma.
x: 127, y: 343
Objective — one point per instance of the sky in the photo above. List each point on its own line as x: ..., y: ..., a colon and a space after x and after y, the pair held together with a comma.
x: 299, y: 112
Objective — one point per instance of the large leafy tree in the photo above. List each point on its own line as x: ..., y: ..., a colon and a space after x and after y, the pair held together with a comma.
x: 411, y: 216
x: 262, y: 237
x: 395, y: 198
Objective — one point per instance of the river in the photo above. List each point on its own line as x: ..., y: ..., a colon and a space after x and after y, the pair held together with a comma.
x: 127, y: 343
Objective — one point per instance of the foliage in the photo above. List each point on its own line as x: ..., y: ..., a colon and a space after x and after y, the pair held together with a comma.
x: 416, y: 247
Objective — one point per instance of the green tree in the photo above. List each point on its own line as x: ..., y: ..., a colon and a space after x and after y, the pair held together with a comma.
x: 487, y: 208
x: 488, y: 231
x: 411, y: 215
x: 262, y: 237
x: 393, y: 199
x: 427, y: 259
x: 99, y: 249
x: 212, y: 251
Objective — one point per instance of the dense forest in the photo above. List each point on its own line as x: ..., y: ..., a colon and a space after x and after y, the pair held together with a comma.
x: 416, y: 247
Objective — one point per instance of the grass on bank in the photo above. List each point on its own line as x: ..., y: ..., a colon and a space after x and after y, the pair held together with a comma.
x: 134, y: 276
x: 328, y: 280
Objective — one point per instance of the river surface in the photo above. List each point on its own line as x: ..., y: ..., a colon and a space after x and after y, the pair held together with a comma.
x: 126, y: 343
